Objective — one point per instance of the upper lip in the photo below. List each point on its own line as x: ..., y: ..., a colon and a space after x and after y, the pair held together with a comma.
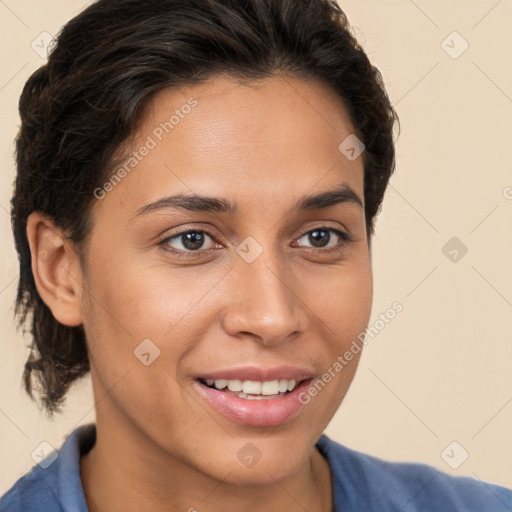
x: 257, y: 373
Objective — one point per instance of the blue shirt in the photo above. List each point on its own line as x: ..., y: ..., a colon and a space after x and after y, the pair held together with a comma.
x: 361, y: 483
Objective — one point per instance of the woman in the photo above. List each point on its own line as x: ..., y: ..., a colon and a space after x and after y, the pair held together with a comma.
x: 196, y: 193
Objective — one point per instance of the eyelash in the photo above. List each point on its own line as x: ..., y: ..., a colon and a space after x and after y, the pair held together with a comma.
x: 345, y: 239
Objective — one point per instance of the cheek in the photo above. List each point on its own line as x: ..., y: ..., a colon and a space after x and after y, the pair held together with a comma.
x: 134, y: 302
x: 344, y: 308
x: 129, y: 304
x: 344, y: 303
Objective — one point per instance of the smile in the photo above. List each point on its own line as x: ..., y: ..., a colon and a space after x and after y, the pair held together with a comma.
x: 251, y: 402
x: 252, y: 389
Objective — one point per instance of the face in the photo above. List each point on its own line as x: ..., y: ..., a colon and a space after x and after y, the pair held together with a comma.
x: 259, y: 285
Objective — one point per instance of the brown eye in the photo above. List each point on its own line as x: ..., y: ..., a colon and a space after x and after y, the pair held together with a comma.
x: 186, y: 243
x: 319, y: 238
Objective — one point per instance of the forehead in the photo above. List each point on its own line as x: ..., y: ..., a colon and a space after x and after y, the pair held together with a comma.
x: 271, y: 112
x: 270, y: 138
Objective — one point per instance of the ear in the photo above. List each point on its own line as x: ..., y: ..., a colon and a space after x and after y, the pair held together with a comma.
x: 56, y: 269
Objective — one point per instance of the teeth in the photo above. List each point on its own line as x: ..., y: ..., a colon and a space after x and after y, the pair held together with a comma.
x: 291, y: 384
x: 253, y: 387
x: 235, y: 385
x: 221, y: 384
x: 270, y: 388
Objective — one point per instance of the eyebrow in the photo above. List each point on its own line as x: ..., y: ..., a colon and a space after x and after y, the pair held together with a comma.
x: 196, y: 203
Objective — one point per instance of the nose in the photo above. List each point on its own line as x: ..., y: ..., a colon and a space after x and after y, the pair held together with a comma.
x: 264, y: 302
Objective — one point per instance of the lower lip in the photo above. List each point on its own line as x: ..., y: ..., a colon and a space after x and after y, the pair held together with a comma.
x: 260, y: 413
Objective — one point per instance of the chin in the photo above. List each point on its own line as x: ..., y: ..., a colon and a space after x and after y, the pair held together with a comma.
x: 260, y: 458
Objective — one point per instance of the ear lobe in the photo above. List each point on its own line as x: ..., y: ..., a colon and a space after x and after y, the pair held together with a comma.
x: 56, y: 269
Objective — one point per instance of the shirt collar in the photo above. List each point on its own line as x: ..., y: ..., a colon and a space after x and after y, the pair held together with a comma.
x: 70, y: 488
x: 78, y: 443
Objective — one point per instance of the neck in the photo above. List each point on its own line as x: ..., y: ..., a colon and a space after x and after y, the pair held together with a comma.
x: 124, y: 471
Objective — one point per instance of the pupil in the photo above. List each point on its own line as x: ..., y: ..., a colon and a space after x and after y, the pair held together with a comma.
x: 193, y: 240
x: 314, y: 238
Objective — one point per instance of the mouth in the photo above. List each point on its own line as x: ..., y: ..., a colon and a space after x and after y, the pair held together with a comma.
x: 261, y: 400
x: 253, y: 389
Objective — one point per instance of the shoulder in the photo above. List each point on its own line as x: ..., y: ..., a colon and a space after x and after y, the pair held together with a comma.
x: 53, y: 485
x: 35, y: 491
x: 368, y: 483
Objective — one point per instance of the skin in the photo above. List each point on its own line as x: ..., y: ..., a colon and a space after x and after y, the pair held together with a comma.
x: 160, y: 445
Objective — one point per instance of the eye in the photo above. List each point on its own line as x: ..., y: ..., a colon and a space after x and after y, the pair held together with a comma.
x: 194, y: 242
x: 321, y: 237
x: 187, y: 242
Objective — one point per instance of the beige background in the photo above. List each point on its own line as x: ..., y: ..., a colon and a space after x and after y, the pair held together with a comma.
x: 441, y: 370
